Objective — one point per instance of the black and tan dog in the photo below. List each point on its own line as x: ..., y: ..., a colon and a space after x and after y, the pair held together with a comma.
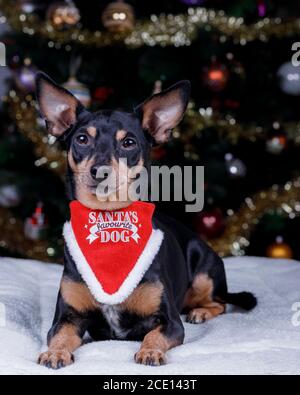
x: 185, y: 276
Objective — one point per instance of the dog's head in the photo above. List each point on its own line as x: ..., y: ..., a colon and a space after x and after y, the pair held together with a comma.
x: 108, y: 139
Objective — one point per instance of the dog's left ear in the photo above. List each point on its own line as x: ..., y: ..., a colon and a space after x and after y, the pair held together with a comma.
x: 163, y: 111
x: 58, y: 106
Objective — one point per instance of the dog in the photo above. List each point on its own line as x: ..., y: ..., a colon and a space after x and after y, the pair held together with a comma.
x: 186, y: 275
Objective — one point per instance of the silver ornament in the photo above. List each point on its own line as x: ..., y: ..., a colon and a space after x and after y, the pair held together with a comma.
x: 289, y: 78
x: 235, y: 167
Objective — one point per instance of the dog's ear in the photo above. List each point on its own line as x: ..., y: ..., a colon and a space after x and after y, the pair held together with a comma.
x: 163, y: 111
x: 57, y: 105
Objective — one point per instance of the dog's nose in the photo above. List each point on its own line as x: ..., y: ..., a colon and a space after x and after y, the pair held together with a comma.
x: 103, y: 174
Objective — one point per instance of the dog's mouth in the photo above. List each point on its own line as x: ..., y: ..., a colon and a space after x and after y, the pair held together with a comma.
x: 105, y: 191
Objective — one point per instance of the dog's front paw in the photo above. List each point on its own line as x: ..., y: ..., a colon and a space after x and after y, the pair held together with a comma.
x: 148, y: 356
x: 56, y: 359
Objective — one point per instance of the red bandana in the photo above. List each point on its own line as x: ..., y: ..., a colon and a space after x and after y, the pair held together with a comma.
x: 112, y: 250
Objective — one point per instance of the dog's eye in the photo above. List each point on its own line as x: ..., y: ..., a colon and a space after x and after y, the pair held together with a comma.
x: 129, y: 143
x: 82, y: 139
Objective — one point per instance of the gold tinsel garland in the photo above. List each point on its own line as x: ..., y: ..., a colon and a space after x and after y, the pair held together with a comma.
x: 235, y: 240
x: 239, y: 226
x: 284, y: 200
x: 162, y: 30
x: 196, y: 121
x: 49, y: 153
x: 23, y: 112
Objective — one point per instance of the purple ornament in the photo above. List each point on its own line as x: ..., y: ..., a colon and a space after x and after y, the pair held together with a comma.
x: 192, y: 2
x: 30, y: 6
x: 25, y: 78
x: 261, y: 8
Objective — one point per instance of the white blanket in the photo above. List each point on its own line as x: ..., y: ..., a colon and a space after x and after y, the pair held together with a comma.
x: 264, y: 341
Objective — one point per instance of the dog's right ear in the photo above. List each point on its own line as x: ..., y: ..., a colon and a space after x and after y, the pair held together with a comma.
x: 58, y: 106
x: 163, y: 111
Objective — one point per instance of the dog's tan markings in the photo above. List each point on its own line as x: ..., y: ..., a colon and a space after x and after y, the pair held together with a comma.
x: 124, y: 178
x: 135, y: 170
x: 92, y: 131
x: 61, y: 347
x: 145, y: 300
x: 200, y: 292
x: 199, y: 301
x: 124, y: 174
x: 71, y: 161
x: 122, y: 182
x: 154, y: 347
x: 120, y: 135
x: 202, y: 314
x: 82, y: 167
x: 77, y: 295
x: 82, y: 178
x: 85, y: 165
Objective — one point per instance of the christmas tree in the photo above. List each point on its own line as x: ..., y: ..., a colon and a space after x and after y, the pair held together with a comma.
x: 242, y: 123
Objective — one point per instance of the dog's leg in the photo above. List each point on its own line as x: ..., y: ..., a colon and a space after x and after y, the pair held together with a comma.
x: 69, y: 325
x: 205, y: 313
x: 63, y: 339
x: 161, y: 339
x: 199, y: 301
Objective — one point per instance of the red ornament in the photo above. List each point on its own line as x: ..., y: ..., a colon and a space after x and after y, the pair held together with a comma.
x: 102, y: 94
x: 36, y: 226
x: 158, y: 153
x: 232, y: 104
x: 216, y: 77
x: 210, y: 224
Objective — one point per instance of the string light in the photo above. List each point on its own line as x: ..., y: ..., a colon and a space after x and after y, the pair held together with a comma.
x: 283, y: 200
x: 49, y: 153
x: 197, y: 120
x: 162, y: 30
x: 24, y: 114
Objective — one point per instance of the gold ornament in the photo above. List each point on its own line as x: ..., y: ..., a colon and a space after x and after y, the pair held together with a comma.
x: 279, y: 250
x: 118, y: 17
x: 63, y: 15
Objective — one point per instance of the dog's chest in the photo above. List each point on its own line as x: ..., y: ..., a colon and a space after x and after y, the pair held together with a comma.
x: 112, y: 315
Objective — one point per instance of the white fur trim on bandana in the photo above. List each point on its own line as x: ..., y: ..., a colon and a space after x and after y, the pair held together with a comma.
x: 134, y: 277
